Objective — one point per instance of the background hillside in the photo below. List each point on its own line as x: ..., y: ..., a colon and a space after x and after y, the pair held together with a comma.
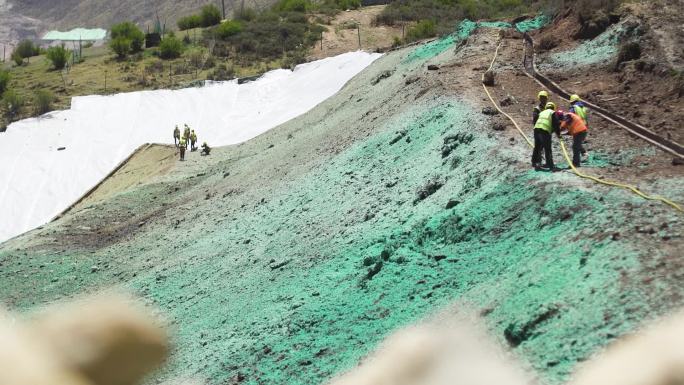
x: 67, y: 14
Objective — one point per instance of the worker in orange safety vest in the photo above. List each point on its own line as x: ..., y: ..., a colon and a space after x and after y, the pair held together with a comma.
x: 578, y: 129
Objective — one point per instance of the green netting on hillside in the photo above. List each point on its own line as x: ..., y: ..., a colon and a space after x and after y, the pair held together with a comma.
x: 434, y: 48
x: 532, y: 24
x: 464, y: 29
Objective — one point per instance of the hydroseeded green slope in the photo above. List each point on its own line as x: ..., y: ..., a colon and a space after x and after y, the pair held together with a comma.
x: 286, y: 259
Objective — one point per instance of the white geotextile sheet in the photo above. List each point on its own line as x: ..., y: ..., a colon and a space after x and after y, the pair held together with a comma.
x: 37, y: 181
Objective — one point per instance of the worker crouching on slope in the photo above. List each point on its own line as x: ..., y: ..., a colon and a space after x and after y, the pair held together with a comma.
x: 578, y: 129
x: 182, y: 144
x: 205, y: 149
x: 547, y: 123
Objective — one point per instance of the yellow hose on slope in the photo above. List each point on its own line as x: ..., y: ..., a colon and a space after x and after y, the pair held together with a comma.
x: 567, y: 157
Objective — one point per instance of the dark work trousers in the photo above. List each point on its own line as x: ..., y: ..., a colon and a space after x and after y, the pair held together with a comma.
x: 182, y: 153
x: 542, y: 141
x: 577, y: 148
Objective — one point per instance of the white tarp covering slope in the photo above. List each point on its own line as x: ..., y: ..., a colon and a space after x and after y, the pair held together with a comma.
x: 37, y: 181
x: 77, y: 34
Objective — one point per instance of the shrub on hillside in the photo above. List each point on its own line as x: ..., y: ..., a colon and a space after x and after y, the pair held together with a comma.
x: 17, y: 58
x: 221, y: 72
x: 121, y: 46
x: 131, y: 32
x: 347, y: 4
x: 4, y: 80
x: 424, y: 29
x: 228, y: 29
x: 12, y: 103
x: 196, y: 57
x: 42, y: 101
x: 292, y: 6
x: 210, y: 15
x: 170, y: 48
x: 189, y: 22
x: 58, y: 56
x: 27, y: 49
x: 247, y: 14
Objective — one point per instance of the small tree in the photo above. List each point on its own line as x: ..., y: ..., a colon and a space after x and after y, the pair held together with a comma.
x: 228, y: 29
x: 17, y: 58
x: 4, y: 80
x: 58, y: 56
x: 121, y: 46
x: 189, y: 22
x: 422, y: 30
x: 210, y: 15
x: 12, y: 102
x: 27, y: 49
x: 42, y: 101
x: 170, y: 48
x: 129, y: 31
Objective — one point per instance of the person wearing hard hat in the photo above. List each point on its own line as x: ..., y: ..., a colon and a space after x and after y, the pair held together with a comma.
x: 543, y: 98
x: 176, y: 136
x: 182, y: 144
x: 547, y: 123
x: 578, y: 107
x: 578, y: 129
x: 186, y: 132
x: 193, y: 140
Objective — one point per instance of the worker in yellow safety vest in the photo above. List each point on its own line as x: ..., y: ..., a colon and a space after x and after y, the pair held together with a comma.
x: 547, y: 123
x: 193, y: 141
x: 186, y: 132
x: 182, y: 144
x: 543, y: 98
x: 577, y: 106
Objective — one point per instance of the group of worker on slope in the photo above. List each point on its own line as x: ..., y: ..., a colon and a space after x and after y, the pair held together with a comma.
x: 188, y: 137
x: 547, y: 119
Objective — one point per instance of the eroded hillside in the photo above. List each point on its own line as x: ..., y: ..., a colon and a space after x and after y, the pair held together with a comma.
x: 287, y: 258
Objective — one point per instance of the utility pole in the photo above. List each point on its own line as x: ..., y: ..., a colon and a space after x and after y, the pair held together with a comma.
x: 105, y: 81
x: 223, y: 4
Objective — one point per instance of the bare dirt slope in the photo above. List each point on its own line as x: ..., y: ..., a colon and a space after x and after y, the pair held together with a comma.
x: 151, y: 161
x: 342, y: 35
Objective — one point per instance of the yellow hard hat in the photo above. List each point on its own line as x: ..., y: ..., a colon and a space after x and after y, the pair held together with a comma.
x: 551, y: 106
x: 542, y: 93
x: 575, y: 98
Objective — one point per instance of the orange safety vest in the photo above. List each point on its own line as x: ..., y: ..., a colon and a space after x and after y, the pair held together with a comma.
x: 575, y: 125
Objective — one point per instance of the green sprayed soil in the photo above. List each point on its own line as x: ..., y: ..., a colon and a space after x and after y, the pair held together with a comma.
x: 532, y: 24
x: 288, y: 258
x: 464, y: 29
x: 599, y: 51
